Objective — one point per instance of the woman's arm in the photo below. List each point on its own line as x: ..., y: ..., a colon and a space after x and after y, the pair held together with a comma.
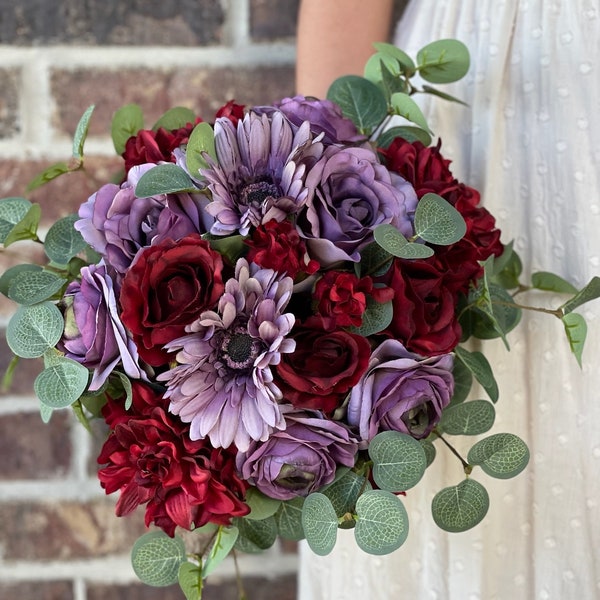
x: 335, y: 37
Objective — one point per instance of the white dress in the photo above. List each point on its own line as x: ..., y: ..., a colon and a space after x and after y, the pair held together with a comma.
x: 530, y: 142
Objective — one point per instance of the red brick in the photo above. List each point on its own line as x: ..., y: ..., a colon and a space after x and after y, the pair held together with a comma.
x: 40, y: 590
x: 31, y: 449
x: 66, y: 530
x: 272, y: 20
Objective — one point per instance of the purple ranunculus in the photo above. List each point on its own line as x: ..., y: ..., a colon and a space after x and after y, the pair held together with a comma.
x: 401, y: 391
x: 299, y: 459
x: 94, y: 335
x: 116, y: 223
x: 324, y: 116
x: 351, y: 194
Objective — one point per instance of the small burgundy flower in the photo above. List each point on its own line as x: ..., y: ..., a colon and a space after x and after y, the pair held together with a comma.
x: 150, y: 459
x: 234, y: 112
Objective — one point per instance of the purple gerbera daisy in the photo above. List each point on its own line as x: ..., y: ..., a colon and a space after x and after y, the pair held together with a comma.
x: 260, y: 171
x: 223, y: 385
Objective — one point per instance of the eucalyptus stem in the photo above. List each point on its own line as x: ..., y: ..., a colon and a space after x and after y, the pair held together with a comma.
x: 238, y: 578
x: 466, y: 466
x: 557, y: 312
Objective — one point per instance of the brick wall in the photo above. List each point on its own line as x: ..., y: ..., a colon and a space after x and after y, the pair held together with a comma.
x: 59, y: 538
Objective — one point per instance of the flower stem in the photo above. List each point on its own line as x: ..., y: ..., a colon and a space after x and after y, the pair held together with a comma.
x: 238, y: 578
x: 466, y: 466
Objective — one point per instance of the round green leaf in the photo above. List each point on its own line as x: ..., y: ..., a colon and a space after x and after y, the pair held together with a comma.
x: 63, y: 241
x: 320, y: 523
x: 255, y: 536
x: 261, y: 506
x: 126, y: 122
x: 175, y: 118
x: 406, y: 132
x: 468, y: 418
x: 45, y: 413
x: 34, y: 329
x: 156, y: 558
x: 10, y: 274
x: 374, y: 260
x: 443, y: 61
x: 429, y: 450
x: 289, y: 519
x: 382, y: 524
x: 31, y: 287
x: 392, y: 241
x: 59, y: 385
x: 345, y: 492
x: 166, y: 178
x: 201, y: 140
x: 399, y: 461
x: 460, y: 507
x: 360, y: 100
x: 12, y: 210
x: 503, y: 455
x: 376, y: 318
x: 399, y: 56
x: 438, y: 222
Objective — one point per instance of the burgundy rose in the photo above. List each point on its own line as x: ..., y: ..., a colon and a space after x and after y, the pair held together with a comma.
x: 167, y: 287
x: 424, y: 308
x: 278, y: 246
x: 341, y: 298
x: 151, y: 460
x: 234, y: 112
x: 323, y: 368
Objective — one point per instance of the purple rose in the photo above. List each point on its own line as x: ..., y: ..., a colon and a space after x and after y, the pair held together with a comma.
x: 351, y: 193
x: 324, y: 117
x: 401, y: 391
x: 299, y: 459
x: 116, y: 223
x: 94, y: 335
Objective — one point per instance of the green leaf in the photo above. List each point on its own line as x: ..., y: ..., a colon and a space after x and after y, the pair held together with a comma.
x: 26, y: 229
x: 201, y: 141
x: 460, y: 507
x: 550, y: 282
x: 399, y: 461
x: 463, y: 381
x: 175, y: 118
x: 469, y: 418
x: 384, y: 71
x: 45, y: 413
x: 34, y: 329
x: 12, y: 211
x: 224, y: 543
x: 289, y: 519
x: 403, y: 105
x: 127, y: 388
x: 261, y: 506
x: 376, y: 318
x: 166, y: 178
x: 31, y: 287
x: 230, y: 247
x: 81, y: 132
x: 392, y: 241
x: 374, y: 260
x: 11, y: 274
x: 320, y: 523
x: 63, y: 241
x: 81, y: 415
x: 360, y: 100
x: 382, y: 524
x: 503, y: 455
x: 406, y: 132
x: 52, y: 172
x: 479, y: 366
x: 344, y: 493
x: 126, y: 122
x: 576, y: 330
x: 255, y: 536
x: 156, y: 558
x: 443, y: 61
x: 507, y: 268
x: 438, y: 222
x: 434, y: 92
x: 399, y: 56
x: 429, y: 450
x: 59, y: 385
x: 189, y: 577
x: 590, y: 292
x: 499, y: 315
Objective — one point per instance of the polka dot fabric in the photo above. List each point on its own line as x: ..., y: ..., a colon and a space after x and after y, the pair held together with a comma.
x: 530, y: 142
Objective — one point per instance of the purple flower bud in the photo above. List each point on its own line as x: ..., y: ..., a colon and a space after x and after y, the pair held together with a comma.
x: 401, y: 391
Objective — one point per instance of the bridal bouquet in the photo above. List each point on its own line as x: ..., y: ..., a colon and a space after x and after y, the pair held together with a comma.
x: 269, y: 310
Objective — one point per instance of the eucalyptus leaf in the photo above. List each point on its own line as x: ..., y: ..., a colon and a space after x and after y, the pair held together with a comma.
x: 289, y: 519
x: 200, y: 142
x: 550, y: 282
x: 392, y: 241
x: 175, y: 118
x: 34, y: 329
x: 190, y: 581
x: 463, y: 381
x: 344, y: 493
x: 507, y: 268
x: 374, y: 261
x: 403, y: 105
x: 52, y: 172
x: 255, y: 536
x: 31, y: 287
x: 126, y: 122
x: 429, y: 450
x: 81, y: 132
x: 398, y: 55
x: 224, y: 542
x: 59, y: 385
x: 156, y: 558
x: 576, y: 330
x: 63, y: 241
x: 590, y: 292
x: 443, y: 61
x: 479, y: 366
x: 382, y: 523
x: 406, y: 132
x: 502, y: 455
x: 26, y: 228
x: 12, y: 211
x: 469, y: 418
x: 435, y: 92
x: 460, y: 507
x: 45, y: 413
x: 399, y: 461
x: 438, y: 222
x: 166, y: 178
x: 503, y: 315
x: 376, y: 318
x: 361, y: 101
x: 13, y: 272
x: 320, y: 523
x: 261, y: 506
x: 127, y: 388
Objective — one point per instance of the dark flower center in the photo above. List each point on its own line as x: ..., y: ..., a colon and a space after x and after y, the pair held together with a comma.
x: 255, y: 194
x: 417, y: 419
x: 292, y: 478
x: 239, y: 349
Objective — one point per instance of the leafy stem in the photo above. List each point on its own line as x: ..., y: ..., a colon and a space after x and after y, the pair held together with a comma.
x: 466, y: 466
